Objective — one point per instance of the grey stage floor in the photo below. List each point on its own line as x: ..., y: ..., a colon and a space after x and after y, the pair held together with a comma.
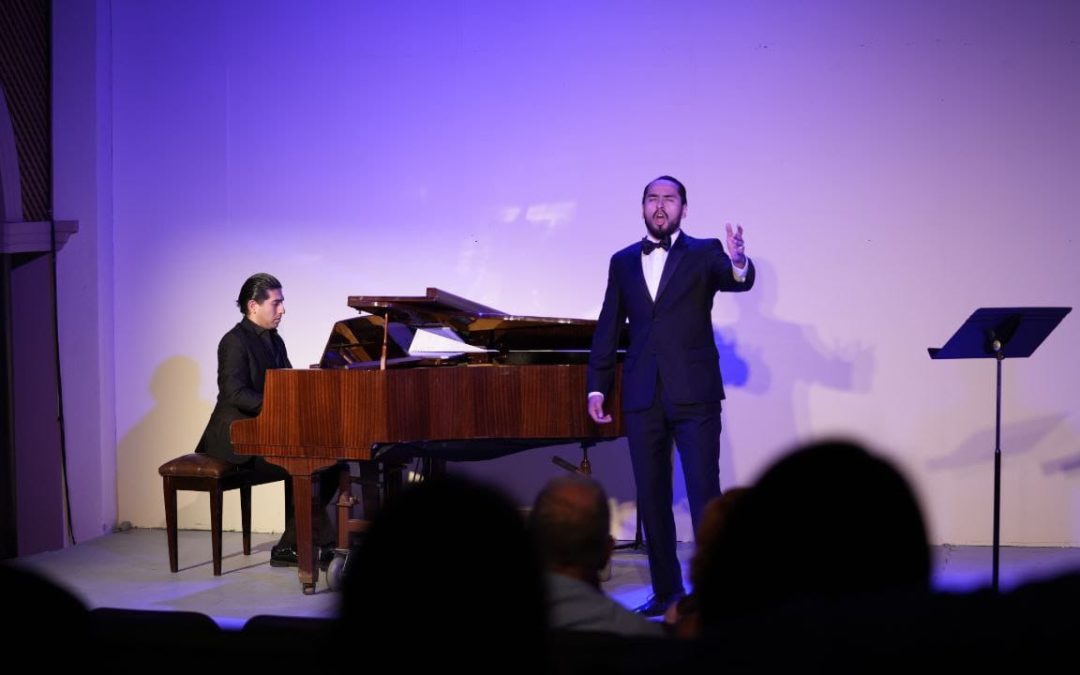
x: 130, y: 570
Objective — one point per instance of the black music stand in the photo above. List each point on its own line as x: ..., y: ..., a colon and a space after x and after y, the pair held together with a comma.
x: 999, y: 333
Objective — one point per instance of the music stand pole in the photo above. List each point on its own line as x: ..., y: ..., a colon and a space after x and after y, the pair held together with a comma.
x: 999, y: 356
x: 1000, y: 333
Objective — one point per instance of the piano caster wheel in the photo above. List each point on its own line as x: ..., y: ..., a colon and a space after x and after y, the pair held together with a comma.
x: 309, y: 589
x: 335, y: 573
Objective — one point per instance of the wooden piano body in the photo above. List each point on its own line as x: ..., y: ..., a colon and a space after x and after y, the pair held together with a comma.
x: 519, y: 382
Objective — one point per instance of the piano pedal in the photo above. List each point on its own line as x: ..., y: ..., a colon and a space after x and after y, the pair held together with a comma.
x: 584, y: 470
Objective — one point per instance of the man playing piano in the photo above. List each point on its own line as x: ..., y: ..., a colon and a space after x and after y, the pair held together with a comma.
x: 245, y: 353
x: 671, y: 386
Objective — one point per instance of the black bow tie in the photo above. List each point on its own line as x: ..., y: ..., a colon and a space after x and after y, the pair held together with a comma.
x: 648, y: 246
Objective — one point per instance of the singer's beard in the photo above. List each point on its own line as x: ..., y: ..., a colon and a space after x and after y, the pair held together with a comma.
x: 671, y: 226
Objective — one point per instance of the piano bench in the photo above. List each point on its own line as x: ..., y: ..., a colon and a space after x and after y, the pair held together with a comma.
x: 203, y: 473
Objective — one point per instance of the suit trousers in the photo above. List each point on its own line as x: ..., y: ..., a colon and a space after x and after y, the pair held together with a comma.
x: 695, y: 430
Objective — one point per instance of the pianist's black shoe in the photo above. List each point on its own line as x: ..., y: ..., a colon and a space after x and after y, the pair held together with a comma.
x: 283, y: 555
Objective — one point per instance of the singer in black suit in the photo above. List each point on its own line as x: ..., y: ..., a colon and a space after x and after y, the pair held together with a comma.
x: 245, y: 353
x: 671, y: 386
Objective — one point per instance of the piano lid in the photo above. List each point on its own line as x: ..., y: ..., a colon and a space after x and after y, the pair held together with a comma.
x: 479, y: 325
x: 436, y: 308
x: 360, y: 339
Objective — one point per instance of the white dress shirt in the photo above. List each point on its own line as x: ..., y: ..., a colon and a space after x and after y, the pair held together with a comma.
x: 652, y: 266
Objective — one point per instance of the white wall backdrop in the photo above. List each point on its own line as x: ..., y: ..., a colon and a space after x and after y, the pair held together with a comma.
x: 895, y: 165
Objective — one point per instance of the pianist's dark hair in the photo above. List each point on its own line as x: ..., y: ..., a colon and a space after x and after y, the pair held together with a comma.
x: 257, y: 288
x: 678, y: 184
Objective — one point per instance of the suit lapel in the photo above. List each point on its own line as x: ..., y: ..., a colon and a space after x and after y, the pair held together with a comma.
x: 675, y: 256
x: 637, y: 275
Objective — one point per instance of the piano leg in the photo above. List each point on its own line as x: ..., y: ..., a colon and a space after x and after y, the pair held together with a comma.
x: 305, y: 501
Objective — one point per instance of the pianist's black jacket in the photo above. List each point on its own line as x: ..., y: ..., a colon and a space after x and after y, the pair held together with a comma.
x: 245, y: 353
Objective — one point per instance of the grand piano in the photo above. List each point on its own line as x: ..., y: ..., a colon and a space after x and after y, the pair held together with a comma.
x: 436, y: 377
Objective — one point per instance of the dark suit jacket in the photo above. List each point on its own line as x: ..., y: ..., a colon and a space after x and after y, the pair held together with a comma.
x: 243, y: 359
x: 671, y: 337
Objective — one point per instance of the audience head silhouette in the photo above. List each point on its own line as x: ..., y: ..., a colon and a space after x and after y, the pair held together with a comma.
x: 447, y: 562
x: 570, y: 523
x: 684, y: 617
x: 37, y: 607
x: 714, y: 520
x: 828, y: 521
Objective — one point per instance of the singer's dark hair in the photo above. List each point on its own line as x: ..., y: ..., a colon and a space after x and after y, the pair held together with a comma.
x: 676, y: 181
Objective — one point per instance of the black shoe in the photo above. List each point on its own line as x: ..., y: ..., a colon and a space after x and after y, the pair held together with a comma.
x: 656, y: 606
x: 284, y: 555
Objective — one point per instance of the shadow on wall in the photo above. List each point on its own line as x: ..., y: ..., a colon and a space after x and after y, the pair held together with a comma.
x: 172, y: 428
x: 1017, y: 438
x: 767, y: 363
x: 1068, y: 463
x: 1032, y: 435
x: 1046, y: 441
